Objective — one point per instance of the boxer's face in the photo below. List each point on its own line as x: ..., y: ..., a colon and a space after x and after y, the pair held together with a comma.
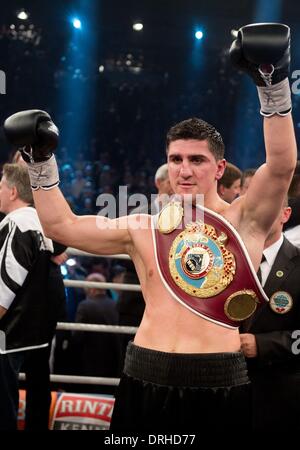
x: 193, y: 169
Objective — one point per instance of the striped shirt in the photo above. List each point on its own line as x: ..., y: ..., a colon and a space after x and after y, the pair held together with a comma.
x: 24, y: 269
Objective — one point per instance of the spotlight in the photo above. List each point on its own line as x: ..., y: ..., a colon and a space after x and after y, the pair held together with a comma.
x: 22, y: 14
x: 199, y: 35
x: 101, y: 68
x: 234, y: 33
x: 71, y: 262
x: 76, y: 23
x: 64, y: 270
x: 138, y: 26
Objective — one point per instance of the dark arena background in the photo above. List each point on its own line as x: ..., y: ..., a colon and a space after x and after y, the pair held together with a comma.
x: 113, y: 90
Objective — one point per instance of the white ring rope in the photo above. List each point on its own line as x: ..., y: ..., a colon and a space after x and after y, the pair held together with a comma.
x: 100, y: 285
x: 79, y: 380
x: 75, y: 252
x: 96, y: 327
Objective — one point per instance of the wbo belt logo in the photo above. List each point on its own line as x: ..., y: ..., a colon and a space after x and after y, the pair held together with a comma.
x: 199, y: 262
x: 2, y: 82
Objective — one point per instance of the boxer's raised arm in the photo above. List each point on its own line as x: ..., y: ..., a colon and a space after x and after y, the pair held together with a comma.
x: 94, y: 234
x: 263, y: 52
x: 37, y: 136
x: 266, y: 194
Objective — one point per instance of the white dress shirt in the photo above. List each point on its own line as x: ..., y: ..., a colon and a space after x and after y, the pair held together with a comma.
x: 270, y: 254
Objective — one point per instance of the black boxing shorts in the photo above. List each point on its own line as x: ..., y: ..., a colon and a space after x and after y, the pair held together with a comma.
x: 162, y: 391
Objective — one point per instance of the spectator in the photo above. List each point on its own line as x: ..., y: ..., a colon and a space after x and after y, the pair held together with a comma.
x: 118, y: 273
x: 266, y: 337
x: 98, y: 354
x: 246, y: 180
x: 292, y: 227
x: 229, y: 186
x: 77, y: 184
x: 164, y: 191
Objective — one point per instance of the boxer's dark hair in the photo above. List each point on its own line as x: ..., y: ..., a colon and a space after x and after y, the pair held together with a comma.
x: 199, y: 130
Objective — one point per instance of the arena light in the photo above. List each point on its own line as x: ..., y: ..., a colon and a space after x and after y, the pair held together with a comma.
x: 64, y: 270
x: 101, y: 68
x: 76, y: 23
x: 22, y: 14
x: 234, y: 33
x: 199, y: 35
x: 137, y: 26
x: 71, y: 262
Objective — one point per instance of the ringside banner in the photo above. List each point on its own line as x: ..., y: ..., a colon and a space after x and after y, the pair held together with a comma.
x: 74, y: 411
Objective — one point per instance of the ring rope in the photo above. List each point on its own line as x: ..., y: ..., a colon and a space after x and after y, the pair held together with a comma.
x: 96, y: 327
x: 75, y: 252
x: 74, y: 379
x: 102, y: 285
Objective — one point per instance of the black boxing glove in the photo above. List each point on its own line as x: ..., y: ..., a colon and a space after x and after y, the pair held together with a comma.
x: 35, y: 129
x: 263, y: 52
x: 37, y: 137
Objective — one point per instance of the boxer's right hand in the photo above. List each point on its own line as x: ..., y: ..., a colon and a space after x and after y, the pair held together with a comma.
x: 36, y: 136
x: 34, y: 133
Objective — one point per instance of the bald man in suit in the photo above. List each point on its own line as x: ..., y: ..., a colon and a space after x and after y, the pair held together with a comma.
x: 164, y: 191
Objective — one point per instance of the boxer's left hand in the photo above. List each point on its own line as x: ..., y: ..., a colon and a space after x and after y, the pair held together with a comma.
x: 262, y: 50
x: 248, y: 345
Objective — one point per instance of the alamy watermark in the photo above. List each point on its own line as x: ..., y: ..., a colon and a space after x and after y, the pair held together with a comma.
x: 295, y: 86
x: 124, y: 206
x: 2, y: 342
x: 2, y: 82
x: 296, y: 344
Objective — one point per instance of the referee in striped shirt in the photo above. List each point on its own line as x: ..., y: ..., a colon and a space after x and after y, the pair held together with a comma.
x: 24, y: 271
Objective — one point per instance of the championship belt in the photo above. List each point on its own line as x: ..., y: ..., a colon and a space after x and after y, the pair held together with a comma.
x: 205, y: 266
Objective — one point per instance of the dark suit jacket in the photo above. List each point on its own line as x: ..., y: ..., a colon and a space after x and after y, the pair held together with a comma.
x: 275, y: 372
x: 98, y: 354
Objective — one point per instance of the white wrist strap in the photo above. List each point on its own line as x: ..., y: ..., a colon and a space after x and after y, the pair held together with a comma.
x: 275, y: 99
x: 44, y: 174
